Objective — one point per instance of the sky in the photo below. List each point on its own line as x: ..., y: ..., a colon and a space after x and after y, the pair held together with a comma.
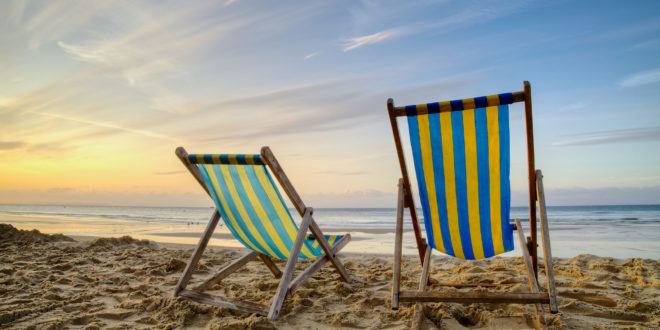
x: 96, y: 95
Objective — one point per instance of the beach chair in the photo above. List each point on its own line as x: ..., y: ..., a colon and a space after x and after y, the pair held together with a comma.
x: 460, y: 151
x: 252, y: 208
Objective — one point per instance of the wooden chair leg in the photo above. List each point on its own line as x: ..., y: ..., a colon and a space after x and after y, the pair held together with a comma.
x: 271, y: 265
x: 318, y: 234
x: 278, y: 299
x: 545, y: 237
x: 318, y: 264
x: 423, y: 280
x: 533, y: 284
x: 396, y: 272
x: 197, y: 254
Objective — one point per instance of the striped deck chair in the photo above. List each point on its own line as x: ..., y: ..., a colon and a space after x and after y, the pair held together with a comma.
x: 461, y: 156
x: 253, y: 210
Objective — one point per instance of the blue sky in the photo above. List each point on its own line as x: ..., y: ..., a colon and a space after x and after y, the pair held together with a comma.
x: 95, y: 96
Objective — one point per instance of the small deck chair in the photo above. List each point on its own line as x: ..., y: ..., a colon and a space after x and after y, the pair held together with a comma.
x: 461, y: 155
x: 252, y: 208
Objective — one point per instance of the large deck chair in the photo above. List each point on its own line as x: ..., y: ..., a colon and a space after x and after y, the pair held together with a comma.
x: 461, y: 155
x: 252, y: 208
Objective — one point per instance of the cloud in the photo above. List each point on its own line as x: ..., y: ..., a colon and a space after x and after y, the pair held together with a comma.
x: 374, y: 38
x: 308, y: 56
x: 42, y: 150
x: 9, y: 145
x: 168, y: 173
x: 649, y: 44
x: 111, y: 126
x: 48, y: 21
x: 49, y: 147
x: 154, y: 55
x: 626, y: 135
x: 331, y: 105
x: 641, y: 78
x: 370, y: 14
x: 307, y: 93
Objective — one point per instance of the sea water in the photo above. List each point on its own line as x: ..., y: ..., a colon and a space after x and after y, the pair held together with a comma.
x: 620, y: 231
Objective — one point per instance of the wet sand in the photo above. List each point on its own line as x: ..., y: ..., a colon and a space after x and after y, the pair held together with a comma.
x: 54, y: 281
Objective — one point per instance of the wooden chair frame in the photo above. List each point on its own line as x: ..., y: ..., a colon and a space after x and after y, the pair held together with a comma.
x: 528, y: 246
x: 286, y: 286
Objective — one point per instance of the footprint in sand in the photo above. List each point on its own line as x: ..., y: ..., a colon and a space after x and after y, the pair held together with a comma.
x: 115, y: 314
x: 588, y: 297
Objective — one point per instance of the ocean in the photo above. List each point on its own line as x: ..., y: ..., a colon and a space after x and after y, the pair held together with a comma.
x: 620, y: 231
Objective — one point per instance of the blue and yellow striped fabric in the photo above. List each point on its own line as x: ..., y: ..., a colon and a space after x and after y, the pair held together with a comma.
x: 251, y: 205
x: 461, y: 159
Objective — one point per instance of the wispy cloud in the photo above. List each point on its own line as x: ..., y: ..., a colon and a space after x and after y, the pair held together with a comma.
x: 49, y: 21
x: 308, y: 56
x: 131, y: 65
x: 374, y: 38
x: 9, y: 145
x: 649, y: 44
x: 641, y: 78
x: 627, y: 135
x: 169, y: 173
x: 43, y: 149
x: 111, y: 126
x: 322, y: 106
x: 370, y: 14
x: 294, y: 96
x: 154, y: 55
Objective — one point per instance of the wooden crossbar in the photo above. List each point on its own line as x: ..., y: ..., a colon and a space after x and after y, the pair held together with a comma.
x: 468, y: 285
x: 474, y: 297
x: 227, y: 270
x: 225, y: 302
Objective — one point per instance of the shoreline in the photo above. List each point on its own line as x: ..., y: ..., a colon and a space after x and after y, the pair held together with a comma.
x: 601, y: 231
x: 54, y: 281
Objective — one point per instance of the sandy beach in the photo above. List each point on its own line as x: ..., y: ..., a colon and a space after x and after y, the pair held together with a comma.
x: 55, y: 281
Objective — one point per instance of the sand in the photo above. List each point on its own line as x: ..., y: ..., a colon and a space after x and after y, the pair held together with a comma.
x: 55, y: 282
